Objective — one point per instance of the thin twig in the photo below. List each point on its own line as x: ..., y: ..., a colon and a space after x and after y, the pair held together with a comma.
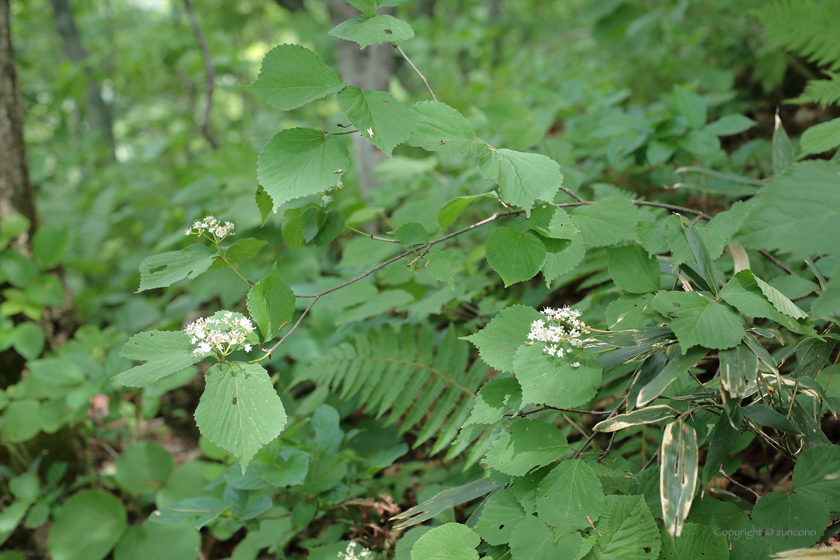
x: 210, y: 71
x: 613, y: 412
x: 422, y: 77
x: 569, y: 192
x: 375, y: 238
x: 776, y: 261
x: 736, y: 483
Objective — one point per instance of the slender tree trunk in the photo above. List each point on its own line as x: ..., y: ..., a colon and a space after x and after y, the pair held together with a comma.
x: 16, y: 194
x: 98, y: 112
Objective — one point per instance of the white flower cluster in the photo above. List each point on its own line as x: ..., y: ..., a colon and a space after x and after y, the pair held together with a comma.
x: 212, y: 226
x: 222, y: 334
x: 351, y: 554
x: 561, y: 326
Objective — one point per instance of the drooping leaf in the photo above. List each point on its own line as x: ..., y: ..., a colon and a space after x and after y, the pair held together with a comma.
x: 445, y: 500
x: 532, y: 539
x: 700, y: 320
x: 450, y: 540
x: 522, y: 177
x: 647, y: 415
x: 633, y: 269
x: 86, y: 526
x: 528, y: 445
x: 367, y: 31
x: 516, y: 256
x: 744, y: 293
x: 440, y: 128
x: 679, y: 363
x: 626, y: 530
x: 271, y: 303
x: 299, y: 162
x: 570, y: 497
x: 607, y: 222
x: 292, y: 76
x: 738, y: 370
x: 159, y: 271
x: 240, y: 410
x: 377, y: 116
x: 165, y: 353
x: 678, y: 474
x: 701, y: 256
x: 766, y: 416
x: 450, y: 212
x: 498, y: 342
x: 264, y: 203
x: 556, y: 381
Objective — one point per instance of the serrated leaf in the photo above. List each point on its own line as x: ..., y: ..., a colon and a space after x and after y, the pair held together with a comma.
x: 678, y: 474
x: 532, y: 539
x: 821, y: 137
x: 412, y: 233
x: 700, y: 320
x: 564, y: 260
x: 271, y: 303
x: 367, y: 7
x: 330, y: 228
x: 556, y: 381
x: 377, y: 116
x: 647, y: 415
x: 165, y: 353
x: 552, y: 222
x: 159, y: 271
x: 500, y: 514
x: 779, y: 300
x: 729, y: 125
x: 367, y: 31
x: 298, y: 226
x: 450, y: 540
x: 626, y: 530
x: 292, y: 466
x: 450, y: 212
x: 239, y: 410
x: 570, y: 497
x: 744, y: 293
x: 633, y: 269
x: 498, y: 342
x: 607, y: 222
x: 817, y: 473
x: 697, y: 542
x: 292, y: 76
x: 529, y: 444
x: 264, y: 203
x: 495, y: 398
x: 441, y: 265
x: 299, y: 162
x: 523, y: 177
x: 440, y: 128
x: 516, y: 256
x: 239, y: 251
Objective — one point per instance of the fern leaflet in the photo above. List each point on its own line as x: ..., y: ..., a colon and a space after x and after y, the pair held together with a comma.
x: 824, y: 92
x: 810, y: 28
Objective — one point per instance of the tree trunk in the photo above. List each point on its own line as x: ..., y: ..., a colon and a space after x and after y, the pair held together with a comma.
x: 16, y: 195
x: 98, y: 112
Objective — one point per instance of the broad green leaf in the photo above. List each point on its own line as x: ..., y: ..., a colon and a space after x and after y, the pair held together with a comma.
x: 165, y: 269
x: 264, y: 203
x: 20, y: 420
x: 633, y: 269
x: 745, y: 294
x: 817, y: 474
x: 271, y: 303
x: 678, y: 475
x: 86, y: 526
x: 440, y: 128
x: 143, y: 467
x: 324, y: 473
x: 500, y: 514
x: 495, y: 398
x: 368, y: 31
x: 328, y: 434
x: 498, y: 342
x: 186, y: 481
x: 797, y: 520
x: 57, y: 371
x: 292, y: 467
x: 699, y: 143
x: 441, y: 265
x: 239, y: 251
x: 298, y: 225
x: 700, y: 320
x: 691, y: 106
x: 628, y: 311
x: 240, y: 410
x: 292, y: 76
x: 367, y: 7
x: 450, y: 540
x: 377, y: 116
x: 564, y: 260
x: 556, y: 381
x: 626, y: 530
x: 532, y: 539
x: 679, y: 363
x: 330, y: 228
x: 161, y: 542
x: 570, y: 497
x: 29, y: 339
x: 783, y: 154
x: 828, y: 304
x: 49, y: 245
x: 607, y: 222
x: 199, y: 511
x: 552, y: 222
x: 523, y: 177
x: 726, y: 516
x: 647, y: 415
x: 797, y: 212
x: 528, y: 445
x: 412, y: 233
x: 723, y: 226
x: 766, y: 416
x: 738, y: 370
x: 821, y: 137
x: 299, y: 162
x: 516, y: 256
x: 165, y: 353
x: 729, y: 125
x: 697, y: 542
x: 779, y: 300
x: 450, y: 212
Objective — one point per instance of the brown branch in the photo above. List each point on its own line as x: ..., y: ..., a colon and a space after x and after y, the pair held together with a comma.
x: 210, y: 71
x: 422, y: 77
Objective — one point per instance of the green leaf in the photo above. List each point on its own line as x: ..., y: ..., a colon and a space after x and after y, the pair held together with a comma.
x: 143, y: 467
x: 628, y: 311
x: 565, y: 259
x: 745, y: 294
x: 700, y: 320
x: 86, y: 526
x: 516, y: 256
x: 498, y: 342
x: 495, y: 398
x: 723, y: 226
x: 828, y: 304
x: 161, y: 542
x: 797, y: 520
x: 821, y: 137
x: 555, y: 381
x: 783, y: 154
x: 445, y: 500
x: 738, y: 370
x: 450, y: 212
x: 633, y: 269
x: 500, y: 514
x: 528, y: 445
x: 49, y: 245
x: 729, y: 125
x: 412, y: 233
x: 330, y: 228
x: 569, y: 497
x: 607, y: 222
x: 292, y: 227
x: 701, y: 256
x: 626, y: 530
x: 239, y: 251
x: 367, y: 7
x: 699, y: 143
x: 697, y: 542
x: 165, y: 353
x: 240, y: 410
x: 292, y: 76
x: 817, y: 474
x: 440, y: 128
x: 199, y: 511
x: 271, y: 303
x: 264, y: 203
x: 377, y: 116
x: 20, y: 420
x: 441, y: 265
x: 299, y: 162
x: 552, y: 222
x: 691, y: 106
x: 165, y: 269
x: 367, y: 31
x: 723, y: 439
x: 678, y: 476
x: 29, y: 339
x: 647, y: 415
x: 779, y: 300
x: 450, y: 540
x: 292, y: 467
x: 676, y: 366
x: 766, y: 416
x: 797, y: 212
x: 523, y: 177
x: 532, y: 539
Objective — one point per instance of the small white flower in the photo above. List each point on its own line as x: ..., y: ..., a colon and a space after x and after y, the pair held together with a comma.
x: 223, y: 333
x: 576, y: 364
x: 212, y: 226
x: 560, y: 327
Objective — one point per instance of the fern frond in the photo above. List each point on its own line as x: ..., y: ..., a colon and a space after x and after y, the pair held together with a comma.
x: 412, y: 377
x: 810, y: 28
x: 824, y: 92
